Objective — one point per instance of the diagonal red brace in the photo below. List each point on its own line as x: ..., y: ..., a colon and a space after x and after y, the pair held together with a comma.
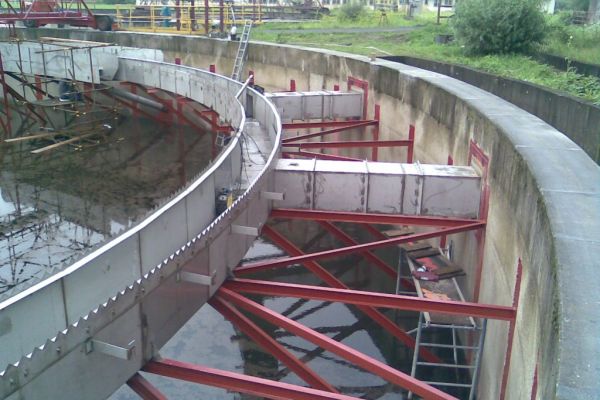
x: 238, y: 382
x: 144, y: 389
x: 284, y: 261
x: 328, y: 132
x: 383, y: 300
x: 363, y: 361
x: 324, y: 124
x: 319, y: 156
x: 332, y: 281
x: 271, y: 345
x: 349, y: 144
x: 370, y: 218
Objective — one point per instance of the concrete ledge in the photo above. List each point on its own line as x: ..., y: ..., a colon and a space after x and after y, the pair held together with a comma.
x: 578, y: 119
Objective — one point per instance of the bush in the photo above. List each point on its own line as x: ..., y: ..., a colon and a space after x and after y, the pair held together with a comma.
x: 351, y: 11
x: 498, y: 26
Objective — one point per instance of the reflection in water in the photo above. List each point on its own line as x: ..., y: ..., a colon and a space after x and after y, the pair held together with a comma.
x: 208, y: 339
x: 59, y: 203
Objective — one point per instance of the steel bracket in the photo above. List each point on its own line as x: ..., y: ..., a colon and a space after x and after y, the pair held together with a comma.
x: 123, y: 353
x: 272, y: 196
x: 191, y: 277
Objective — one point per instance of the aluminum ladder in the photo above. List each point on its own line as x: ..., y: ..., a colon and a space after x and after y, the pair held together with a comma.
x: 241, y: 53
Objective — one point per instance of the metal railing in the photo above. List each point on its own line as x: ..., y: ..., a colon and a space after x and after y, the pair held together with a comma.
x: 185, y: 19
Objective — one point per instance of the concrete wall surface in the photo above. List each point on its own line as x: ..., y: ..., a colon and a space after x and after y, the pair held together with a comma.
x: 578, y: 119
x: 544, y: 200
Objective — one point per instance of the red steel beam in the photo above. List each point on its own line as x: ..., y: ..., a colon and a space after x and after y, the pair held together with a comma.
x: 376, y: 367
x: 377, y: 117
x: 349, y: 241
x: 370, y: 218
x: 383, y: 300
x: 324, y: 124
x: 271, y: 345
x: 319, y: 156
x: 374, y: 231
x: 511, y: 331
x: 284, y: 261
x: 144, y: 389
x: 349, y: 144
x: 332, y: 281
x: 329, y: 131
x: 238, y: 382
x: 170, y: 106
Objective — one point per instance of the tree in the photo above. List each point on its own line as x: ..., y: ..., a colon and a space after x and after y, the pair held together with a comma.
x: 499, y: 26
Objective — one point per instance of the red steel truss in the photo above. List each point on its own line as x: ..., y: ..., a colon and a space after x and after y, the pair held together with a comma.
x: 144, y: 389
x: 376, y: 367
x: 238, y: 382
x: 285, y: 261
x: 268, y: 343
x: 332, y: 281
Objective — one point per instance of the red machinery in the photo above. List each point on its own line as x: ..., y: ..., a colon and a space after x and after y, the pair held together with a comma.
x: 42, y: 12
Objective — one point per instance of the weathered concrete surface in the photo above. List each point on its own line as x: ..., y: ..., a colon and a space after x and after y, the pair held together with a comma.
x: 544, y: 205
x: 577, y: 118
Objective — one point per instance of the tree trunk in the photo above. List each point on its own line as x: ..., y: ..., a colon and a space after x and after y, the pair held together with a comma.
x: 593, y: 11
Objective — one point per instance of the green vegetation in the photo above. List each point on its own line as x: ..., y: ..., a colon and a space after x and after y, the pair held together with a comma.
x: 420, y: 42
x: 498, y: 26
x: 575, y: 42
x: 351, y: 12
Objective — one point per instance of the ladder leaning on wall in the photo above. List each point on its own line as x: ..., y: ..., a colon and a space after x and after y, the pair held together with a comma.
x: 241, y: 53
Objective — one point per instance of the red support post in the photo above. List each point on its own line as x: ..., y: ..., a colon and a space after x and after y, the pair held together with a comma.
x: 511, y: 331
x: 411, y: 146
x: 292, y: 85
x: 252, y: 77
x: 177, y: 61
x: 379, y: 300
x: 238, y: 382
x: 364, y: 85
x: 206, y: 19
x: 332, y: 281
x: 271, y: 345
x: 444, y: 238
x: 212, y: 68
x: 336, y: 88
x: 534, y: 384
x: 377, y: 117
x: 368, y: 218
x: 376, y: 367
x: 284, y: 261
x: 144, y: 389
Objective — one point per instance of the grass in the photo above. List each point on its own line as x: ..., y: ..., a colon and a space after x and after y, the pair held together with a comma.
x: 420, y: 43
x: 580, y: 43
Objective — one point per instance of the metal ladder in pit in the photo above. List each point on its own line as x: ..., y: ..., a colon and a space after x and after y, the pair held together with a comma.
x: 241, y: 53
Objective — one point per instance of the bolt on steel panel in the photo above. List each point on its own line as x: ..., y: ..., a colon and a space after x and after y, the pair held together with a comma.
x: 340, y: 186
x: 24, y: 326
x: 386, y: 188
x: 413, y: 189
x: 200, y: 206
x: 295, y: 179
x: 163, y: 236
x: 107, y: 271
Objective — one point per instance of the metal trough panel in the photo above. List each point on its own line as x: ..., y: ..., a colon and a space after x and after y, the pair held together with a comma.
x: 375, y: 187
x: 317, y: 105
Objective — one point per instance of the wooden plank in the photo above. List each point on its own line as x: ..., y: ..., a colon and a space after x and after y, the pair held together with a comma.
x: 64, y: 142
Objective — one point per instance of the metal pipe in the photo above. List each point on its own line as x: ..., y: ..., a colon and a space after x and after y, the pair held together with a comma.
x: 138, y: 99
x: 244, y: 86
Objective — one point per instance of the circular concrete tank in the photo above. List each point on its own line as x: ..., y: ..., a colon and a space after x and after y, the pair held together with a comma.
x: 544, y: 198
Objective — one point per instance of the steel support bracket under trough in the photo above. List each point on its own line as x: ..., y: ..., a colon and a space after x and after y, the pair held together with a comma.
x: 124, y: 353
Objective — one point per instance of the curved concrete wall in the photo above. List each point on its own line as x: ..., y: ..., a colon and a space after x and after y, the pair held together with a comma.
x: 544, y: 204
x: 577, y: 118
x: 133, y: 290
